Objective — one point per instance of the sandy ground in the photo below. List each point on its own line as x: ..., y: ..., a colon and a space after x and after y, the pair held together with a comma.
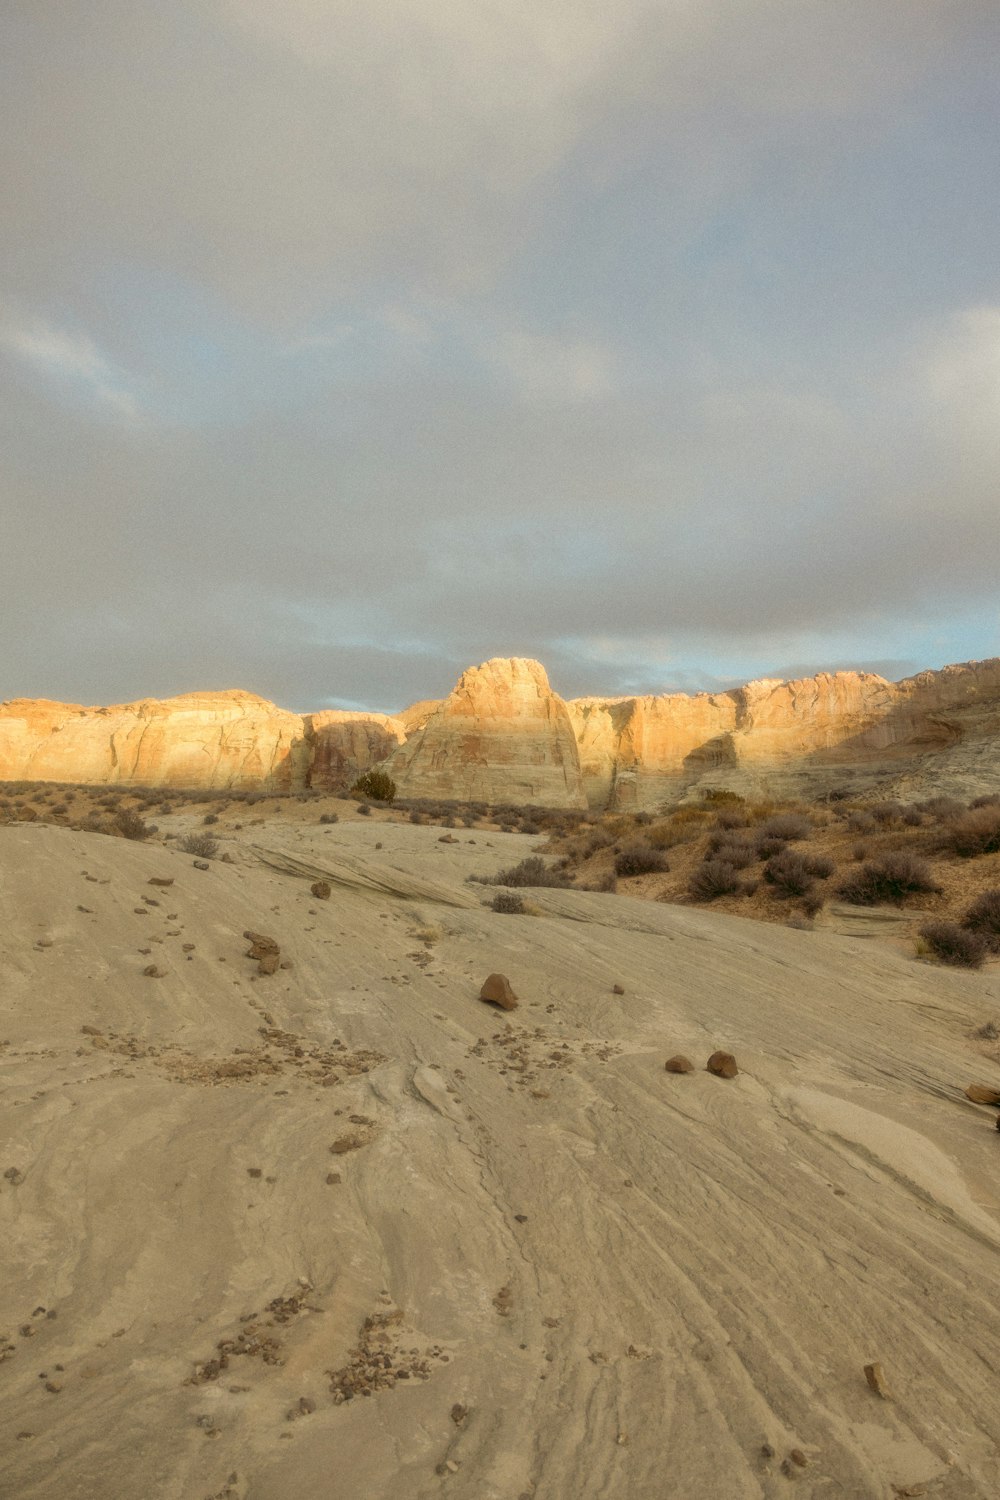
x: 581, y: 1276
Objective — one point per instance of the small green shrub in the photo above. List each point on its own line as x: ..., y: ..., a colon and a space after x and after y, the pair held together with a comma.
x: 378, y: 785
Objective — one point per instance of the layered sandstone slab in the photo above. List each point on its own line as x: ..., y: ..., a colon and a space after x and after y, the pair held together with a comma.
x: 228, y: 739
x: 502, y: 735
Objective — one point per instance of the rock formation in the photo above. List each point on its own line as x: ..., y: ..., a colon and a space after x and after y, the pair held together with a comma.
x: 502, y: 735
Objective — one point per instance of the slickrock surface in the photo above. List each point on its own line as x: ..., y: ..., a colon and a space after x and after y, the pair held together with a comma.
x: 540, y: 1266
x: 502, y: 735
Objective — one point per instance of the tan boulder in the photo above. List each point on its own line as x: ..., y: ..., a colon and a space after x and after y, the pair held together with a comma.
x: 982, y: 1093
x: 679, y: 1064
x: 496, y: 990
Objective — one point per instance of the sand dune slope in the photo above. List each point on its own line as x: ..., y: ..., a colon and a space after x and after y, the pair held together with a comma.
x: 559, y: 1271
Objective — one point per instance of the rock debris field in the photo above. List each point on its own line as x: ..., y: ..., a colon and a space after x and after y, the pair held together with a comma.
x: 288, y: 1210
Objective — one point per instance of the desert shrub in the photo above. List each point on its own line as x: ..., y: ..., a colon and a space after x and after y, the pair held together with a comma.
x: 978, y: 832
x: 600, y: 838
x: 378, y: 785
x: 889, y: 879
x: 201, y: 845
x: 787, y: 826
x: 731, y: 817
x: 719, y: 796
x: 508, y: 902
x: 812, y: 904
x: 983, y: 917
x: 860, y: 822
x: 682, y: 815
x: 60, y: 809
x: 942, y: 808
x: 131, y: 826
x: 329, y: 817
x: 736, y: 852
x: 639, y: 859
x: 953, y: 944
x: 712, y: 878
x: 911, y: 817
x: 415, y: 816
x: 989, y: 799
x: 792, y: 873
x: 887, y: 813
x: 642, y: 819
x: 607, y: 883
x: 530, y: 828
x: 767, y: 847
x: 210, y: 818
x: 530, y: 871
x: 859, y: 852
x: 364, y: 808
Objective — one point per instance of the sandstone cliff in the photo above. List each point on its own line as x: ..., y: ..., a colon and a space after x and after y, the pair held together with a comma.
x: 502, y: 735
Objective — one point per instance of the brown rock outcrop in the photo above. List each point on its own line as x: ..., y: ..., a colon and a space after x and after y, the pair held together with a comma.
x: 501, y: 736
x: 344, y: 743
x: 496, y: 990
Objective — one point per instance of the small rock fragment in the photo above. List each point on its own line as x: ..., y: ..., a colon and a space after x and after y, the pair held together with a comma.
x: 798, y: 1457
x: 459, y: 1413
x: 201, y: 864
x: 982, y: 1093
x: 332, y: 1178
x: 163, y: 880
x: 875, y: 1376
x: 14, y: 1176
x: 269, y: 963
x: 321, y: 889
x: 496, y: 990
x: 617, y: 989
x: 152, y: 972
x: 678, y: 1064
x: 723, y: 1065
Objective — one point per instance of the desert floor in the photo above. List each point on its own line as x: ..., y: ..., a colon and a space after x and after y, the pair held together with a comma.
x: 345, y: 1231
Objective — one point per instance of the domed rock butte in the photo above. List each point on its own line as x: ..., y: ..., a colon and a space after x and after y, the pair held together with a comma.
x: 503, y: 735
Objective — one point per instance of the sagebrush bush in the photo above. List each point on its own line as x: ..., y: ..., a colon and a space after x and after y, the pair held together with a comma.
x: 889, y: 879
x: 787, y: 826
x: 378, y: 785
x: 977, y: 832
x: 953, y: 944
x: 131, y: 826
x: 329, y: 817
x: 792, y: 873
x: 364, y: 808
x: 201, y: 845
x: 731, y: 817
x: 983, y: 917
x: 531, y: 871
x: 508, y: 902
x: 712, y: 878
x: 640, y: 859
x: 768, y: 847
x: 740, y: 853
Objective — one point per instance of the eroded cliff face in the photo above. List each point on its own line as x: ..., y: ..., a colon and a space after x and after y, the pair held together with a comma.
x: 502, y: 735
x: 228, y: 739
x: 782, y: 737
x: 344, y: 743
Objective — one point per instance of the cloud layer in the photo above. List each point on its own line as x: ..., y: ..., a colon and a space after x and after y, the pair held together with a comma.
x: 343, y: 346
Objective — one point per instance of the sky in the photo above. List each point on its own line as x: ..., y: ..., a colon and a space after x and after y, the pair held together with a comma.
x: 345, y: 345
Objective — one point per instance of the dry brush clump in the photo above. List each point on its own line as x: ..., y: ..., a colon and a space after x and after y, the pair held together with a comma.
x: 201, y: 845
x: 983, y: 918
x: 640, y: 859
x: 792, y: 873
x: 889, y: 880
x: 975, y: 833
x: 714, y: 878
x: 952, y: 944
x: 532, y: 871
